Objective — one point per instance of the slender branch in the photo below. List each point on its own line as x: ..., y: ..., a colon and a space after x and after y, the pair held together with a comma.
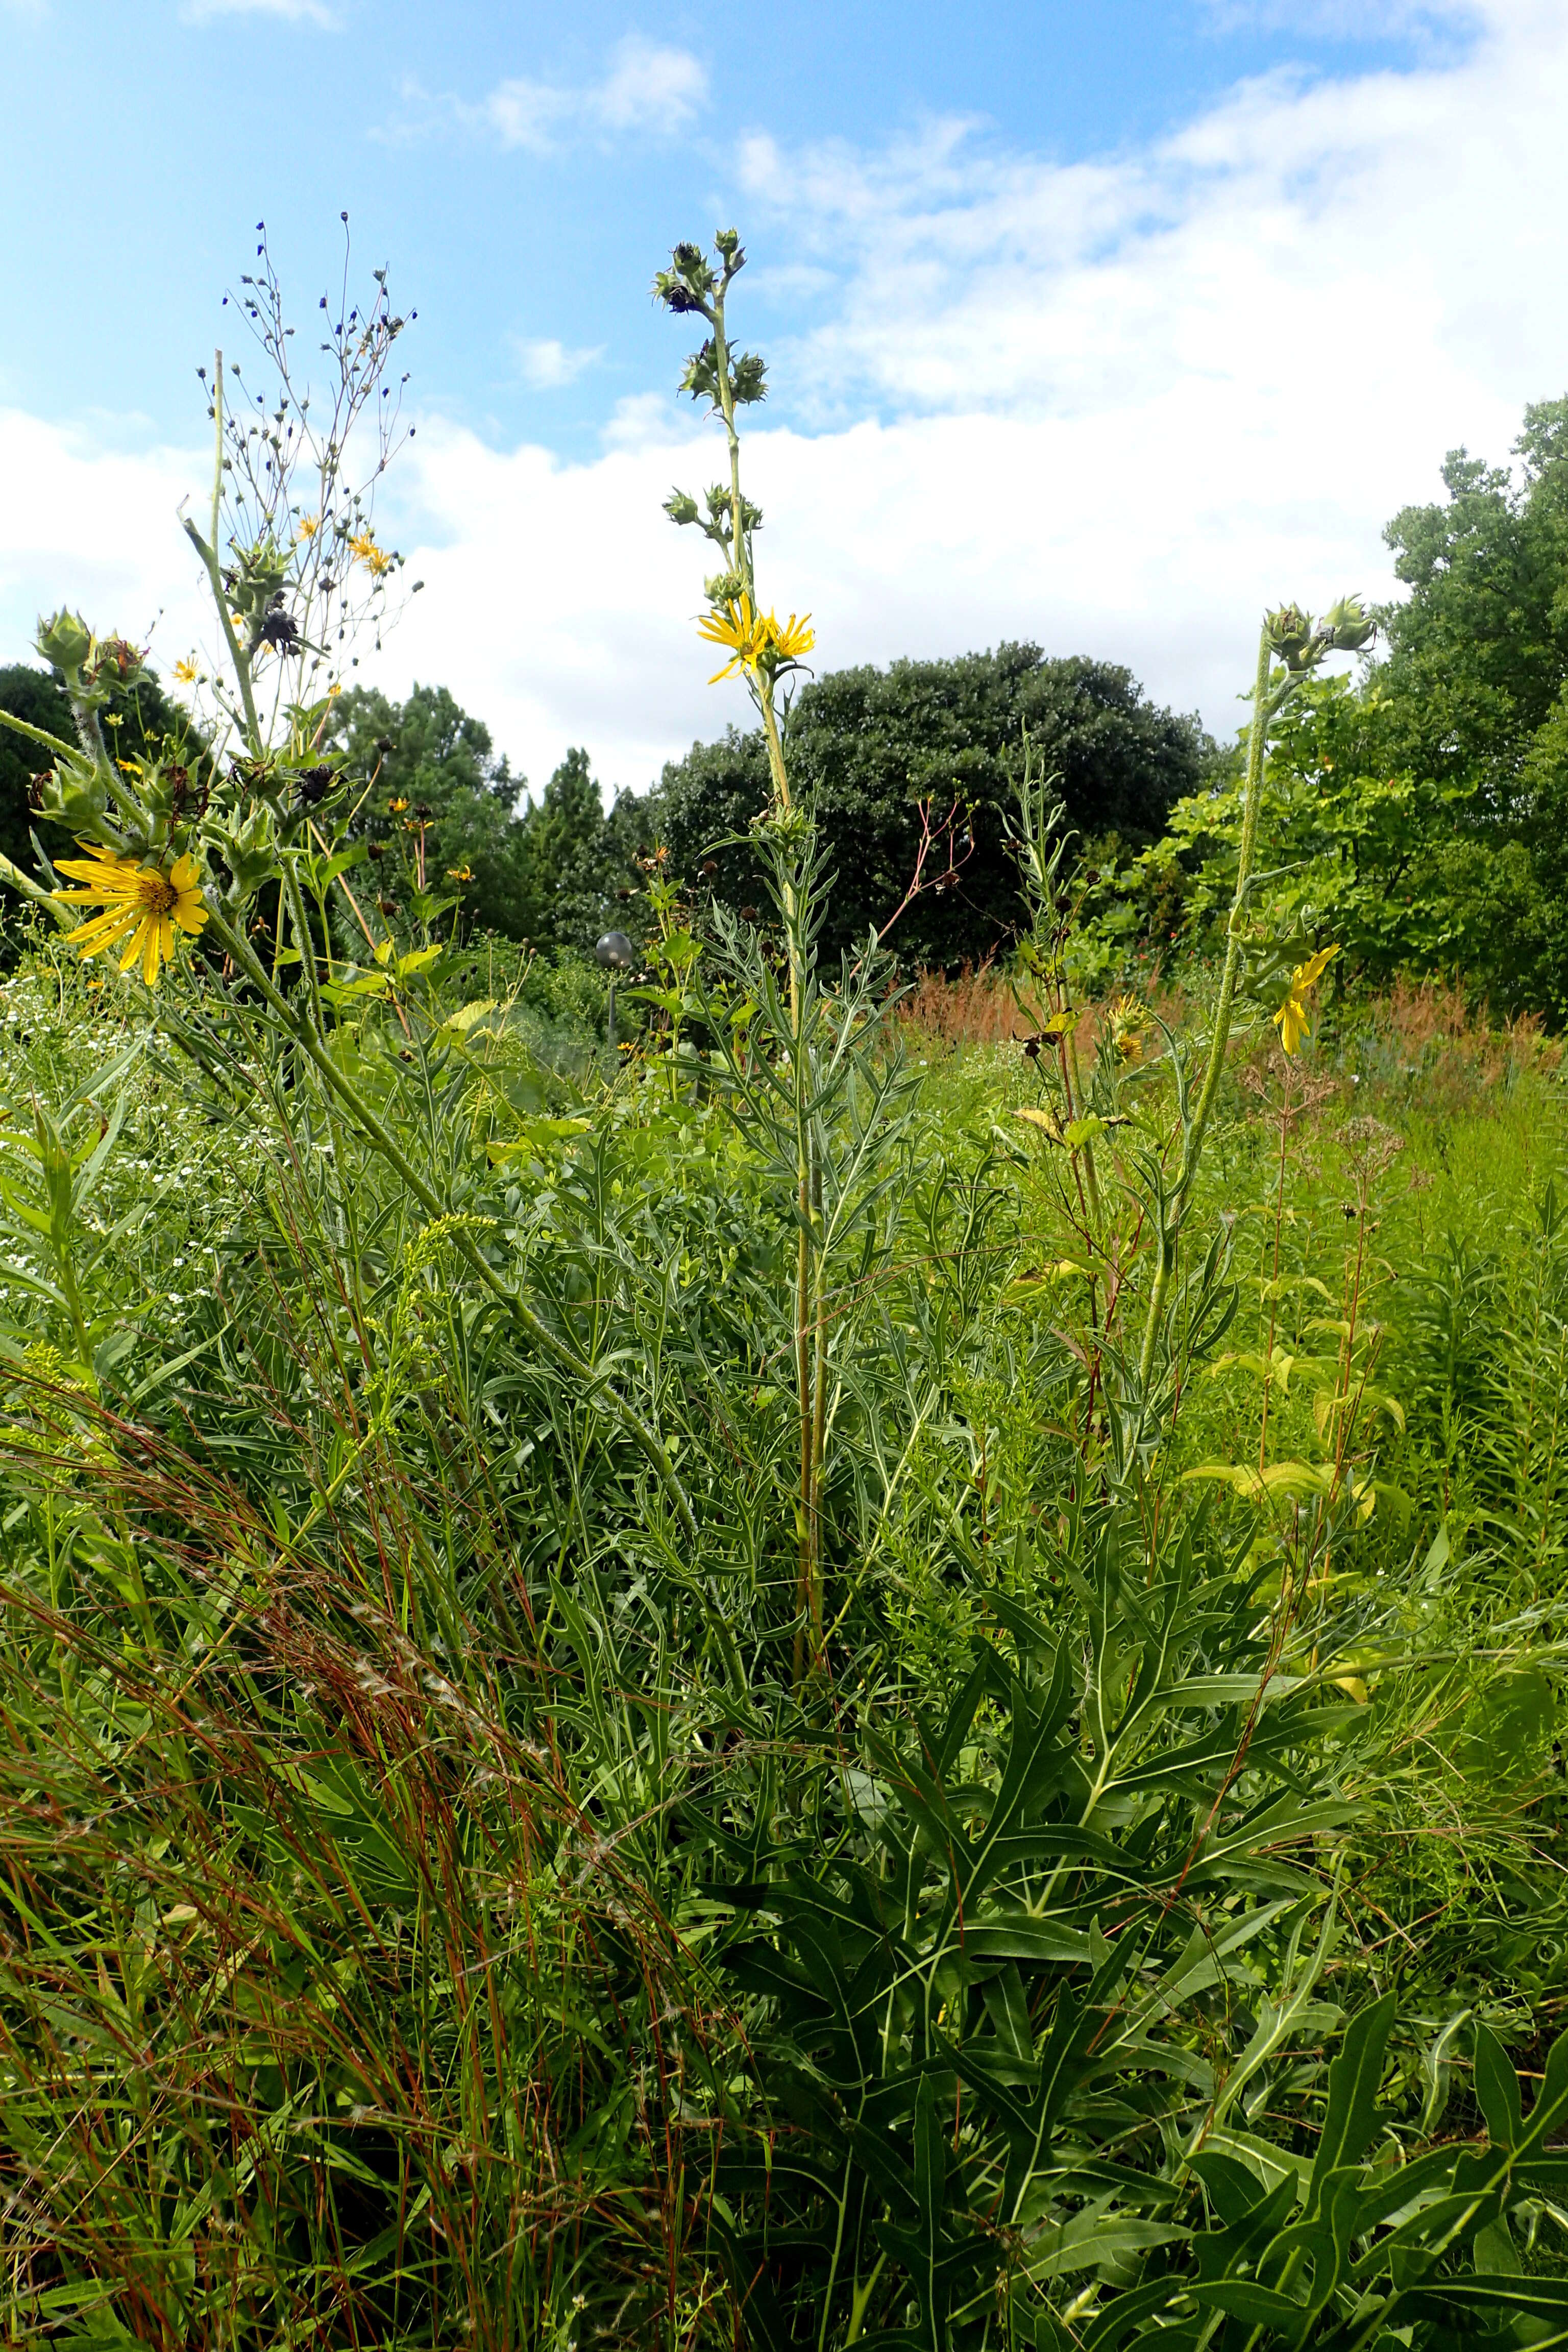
x: 25, y: 884
x: 1263, y: 710
x: 37, y: 735
x: 207, y: 551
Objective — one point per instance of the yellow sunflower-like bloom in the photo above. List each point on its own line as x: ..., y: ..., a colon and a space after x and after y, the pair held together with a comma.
x: 185, y: 671
x: 1129, y: 1017
x: 1292, y: 1019
x: 748, y: 635
x: 375, y: 559
x: 309, y: 526
x: 141, y: 905
x: 795, y: 638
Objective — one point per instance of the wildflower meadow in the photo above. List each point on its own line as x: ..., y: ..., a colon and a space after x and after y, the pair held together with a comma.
x: 767, y: 1643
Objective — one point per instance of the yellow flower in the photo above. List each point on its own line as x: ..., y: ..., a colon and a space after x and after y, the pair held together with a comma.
x: 185, y: 671
x: 797, y: 637
x: 141, y: 903
x: 395, y: 808
x: 755, y: 638
x: 749, y: 635
x: 459, y: 873
x: 1291, y: 1020
x: 334, y: 688
x: 1129, y: 1017
x: 309, y: 526
x: 375, y: 558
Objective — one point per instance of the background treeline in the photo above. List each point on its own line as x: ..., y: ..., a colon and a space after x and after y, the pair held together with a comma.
x: 1421, y: 809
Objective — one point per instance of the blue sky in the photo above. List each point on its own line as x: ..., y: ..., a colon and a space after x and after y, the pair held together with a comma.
x: 155, y: 134
x: 1094, y: 325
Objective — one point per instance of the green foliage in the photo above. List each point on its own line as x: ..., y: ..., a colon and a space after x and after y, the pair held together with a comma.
x: 780, y: 1694
x: 427, y: 752
x: 545, y: 871
x: 870, y: 745
x: 1419, y: 817
x: 510, y: 1930
x: 139, y: 718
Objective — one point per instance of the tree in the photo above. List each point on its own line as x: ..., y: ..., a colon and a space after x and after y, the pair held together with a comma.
x: 1473, y: 700
x: 1422, y: 813
x: 32, y: 695
x: 428, y: 753
x: 576, y: 858
x: 1479, y: 656
x: 546, y: 871
x: 870, y: 745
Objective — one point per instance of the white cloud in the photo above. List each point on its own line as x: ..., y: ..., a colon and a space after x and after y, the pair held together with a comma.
x: 1347, y: 20
x: 646, y: 87
x: 548, y: 364
x: 95, y: 527
x: 302, y: 12
x: 1115, y: 407
x: 649, y: 88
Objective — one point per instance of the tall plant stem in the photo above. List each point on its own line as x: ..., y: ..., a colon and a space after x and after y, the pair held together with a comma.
x: 27, y: 888
x: 207, y: 549
x: 566, y: 1358
x: 810, y: 1320
x: 1274, y: 1281
x: 1263, y: 710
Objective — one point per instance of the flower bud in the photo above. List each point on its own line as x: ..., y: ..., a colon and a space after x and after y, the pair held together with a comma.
x: 1290, y: 631
x: 65, y: 640
x: 249, y: 853
x: 1348, y: 625
x: 681, y: 507
x: 72, y: 794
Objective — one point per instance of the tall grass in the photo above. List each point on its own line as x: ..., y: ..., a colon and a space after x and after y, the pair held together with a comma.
x: 875, y: 1676
x: 394, y: 1793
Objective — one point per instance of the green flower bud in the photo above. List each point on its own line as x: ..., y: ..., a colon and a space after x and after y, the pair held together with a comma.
x: 65, y: 640
x: 1290, y: 630
x: 249, y: 853
x: 681, y: 507
x: 73, y: 795
x: 115, y: 662
x: 1348, y: 626
x: 749, y: 378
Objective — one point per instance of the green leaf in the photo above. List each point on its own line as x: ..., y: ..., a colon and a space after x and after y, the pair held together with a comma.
x: 1353, y: 2079
x: 1497, y: 2090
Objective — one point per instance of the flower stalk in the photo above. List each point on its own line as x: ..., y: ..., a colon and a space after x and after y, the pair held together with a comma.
x: 1290, y: 635
x: 763, y: 651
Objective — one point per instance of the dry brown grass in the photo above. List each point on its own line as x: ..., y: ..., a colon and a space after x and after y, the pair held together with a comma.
x: 979, y: 1008
x: 1418, y: 1032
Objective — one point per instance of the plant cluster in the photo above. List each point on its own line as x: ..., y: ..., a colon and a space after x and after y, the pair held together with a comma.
x: 800, y: 1695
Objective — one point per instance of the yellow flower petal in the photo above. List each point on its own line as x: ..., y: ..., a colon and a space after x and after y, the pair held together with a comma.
x: 141, y: 903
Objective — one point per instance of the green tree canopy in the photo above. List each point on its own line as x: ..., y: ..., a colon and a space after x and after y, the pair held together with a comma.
x: 1424, y: 812
x: 870, y: 745
x: 546, y: 871
x: 429, y: 752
